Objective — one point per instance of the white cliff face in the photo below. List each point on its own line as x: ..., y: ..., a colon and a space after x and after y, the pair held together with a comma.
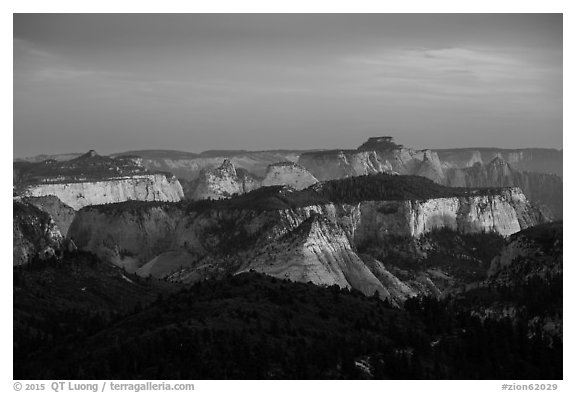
x: 127, y: 238
x: 430, y: 167
x: 328, y: 165
x: 34, y: 234
x: 532, y: 160
x: 152, y: 187
x: 222, y: 182
x: 343, y: 163
x: 191, y: 168
x: 62, y: 214
x: 147, y: 233
x: 288, y: 174
x: 505, y: 213
x: 317, y: 251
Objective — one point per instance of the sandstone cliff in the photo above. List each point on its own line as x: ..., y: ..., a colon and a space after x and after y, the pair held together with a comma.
x: 188, y: 166
x: 317, y: 251
x: 34, y: 234
x: 466, y: 168
x: 61, y: 213
x: 532, y: 160
x: 152, y: 187
x: 92, y: 179
x: 223, y: 237
x: 290, y: 174
x: 128, y: 234
x: 544, y: 189
x: 222, y: 182
x: 337, y: 164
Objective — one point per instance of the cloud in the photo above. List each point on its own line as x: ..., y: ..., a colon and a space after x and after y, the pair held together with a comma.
x: 451, y: 73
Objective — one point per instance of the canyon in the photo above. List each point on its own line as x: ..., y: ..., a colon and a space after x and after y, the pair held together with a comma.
x: 301, y: 240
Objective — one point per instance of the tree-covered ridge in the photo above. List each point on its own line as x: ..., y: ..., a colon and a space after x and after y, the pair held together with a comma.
x: 383, y: 186
x: 548, y: 236
x: 134, y: 206
x: 376, y: 187
x: 252, y: 326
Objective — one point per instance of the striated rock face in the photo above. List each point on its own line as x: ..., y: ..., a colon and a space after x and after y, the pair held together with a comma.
x: 317, y: 251
x: 532, y: 160
x: 505, y: 214
x: 222, y: 182
x: 544, y: 189
x: 289, y: 174
x: 337, y: 164
x: 151, y: 187
x: 188, y: 166
x: 127, y: 235
x: 61, y: 213
x: 34, y: 234
x: 314, y: 242
x: 91, y: 179
x: 430, y: 168
x: 458, y: 168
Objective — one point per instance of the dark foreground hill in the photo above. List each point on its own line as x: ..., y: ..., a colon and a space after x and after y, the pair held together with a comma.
x: 251, y: 326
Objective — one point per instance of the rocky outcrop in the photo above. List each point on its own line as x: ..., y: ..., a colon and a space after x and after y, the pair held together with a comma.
x: 317, y: 251
x: 525, y: 282
x: 166, y: 263
x: 222, y: 182
x: 289, y: 174
x: 151, y: 187
x: 533, y: 160
x: 431, y: 168
x: 543, y: 189
x: 467, y: 168
x: 337, y: 164
x: 35, y: 235
x: 188, y: 166
x: 386, y: 157
x: 129, y: 234
x: 379, y: 143
x: 505, y: 213
x: 91, y: 179
x: 533, y: 252
x: 224, y: 238
x: 61, y: 213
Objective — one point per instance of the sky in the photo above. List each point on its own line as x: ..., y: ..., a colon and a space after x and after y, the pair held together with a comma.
x: 194, y: 82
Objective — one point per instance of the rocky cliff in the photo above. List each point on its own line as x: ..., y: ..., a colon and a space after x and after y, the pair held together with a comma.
x: 317, y: 251
x: 302, y: 239
x: 544, y: 189
x: 222, y: 182
x: 92, y: 179
x: 536, y: 251
x: 466, y: 168
x: 127, y: 234
x: 188, y: 166
x: 532, y: 160
x: 391, y: 158
x: 61, y: 213
x: 152, y: 187
x: 290, y: 174
x: 525, y: 283
x: 35, y: 235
